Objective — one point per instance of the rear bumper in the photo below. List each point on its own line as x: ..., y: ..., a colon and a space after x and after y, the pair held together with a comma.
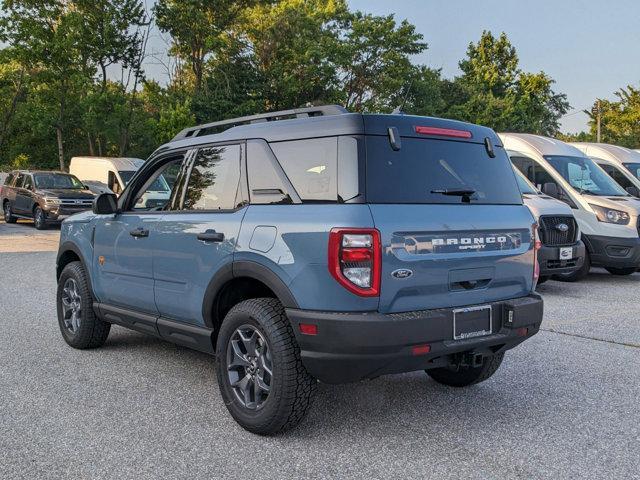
x: 551, y: 263
x: 353, y: 346
x: 613, y: 252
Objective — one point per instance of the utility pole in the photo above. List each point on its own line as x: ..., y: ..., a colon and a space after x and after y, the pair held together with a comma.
x: 598, y: 115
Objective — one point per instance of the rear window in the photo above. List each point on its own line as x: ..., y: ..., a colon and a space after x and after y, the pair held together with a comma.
x: 424, y: 168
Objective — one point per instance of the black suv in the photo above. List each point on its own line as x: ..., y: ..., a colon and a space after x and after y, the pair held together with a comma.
x: 46, y: 197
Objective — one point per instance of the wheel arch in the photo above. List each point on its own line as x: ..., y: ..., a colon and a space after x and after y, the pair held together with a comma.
x: 240, y: 281
x: 67, y: 253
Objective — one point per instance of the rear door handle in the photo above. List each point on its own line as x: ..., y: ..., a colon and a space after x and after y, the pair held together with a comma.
x: 211, y: 236
x: 139, y: 232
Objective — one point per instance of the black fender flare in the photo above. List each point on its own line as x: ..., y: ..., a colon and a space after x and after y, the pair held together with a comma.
x: 70, y: 247
x: 246, y: 269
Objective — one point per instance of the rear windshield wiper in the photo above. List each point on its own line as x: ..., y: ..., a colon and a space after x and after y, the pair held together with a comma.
x: 455, y: 192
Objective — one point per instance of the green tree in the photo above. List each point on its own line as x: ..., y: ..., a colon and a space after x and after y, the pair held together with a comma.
x: 620, y: 119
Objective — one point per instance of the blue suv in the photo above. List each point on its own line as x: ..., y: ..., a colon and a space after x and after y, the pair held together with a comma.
x: 312, y: 245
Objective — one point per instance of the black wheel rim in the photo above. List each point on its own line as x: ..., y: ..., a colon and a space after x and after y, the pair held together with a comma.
x: 71, y: 305
x: 249, y: 367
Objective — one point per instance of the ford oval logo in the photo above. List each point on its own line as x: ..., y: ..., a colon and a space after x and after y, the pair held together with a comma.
x: 562, y: 227
x: 402, y: 273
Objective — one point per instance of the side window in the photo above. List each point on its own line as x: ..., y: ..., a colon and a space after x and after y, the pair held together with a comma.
x: 266, y: 182
x: 113, y: 184
x: 617, y: 175
x: 9, y: 179
x: 19, y: 180
x: 525, y: 165
x: 214, y: 180
x: 28, y: 182
x: 311, y: 166
x: 149, y: 197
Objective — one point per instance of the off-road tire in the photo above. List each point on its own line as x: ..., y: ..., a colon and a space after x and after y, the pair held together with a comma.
x: 292, y: 388
x: 39, y: 219
x: 578, y: 274
x: 621, y: 271
x: 466, y: 376
x: 6, y: 208
x: 543, y: 279
x: 93, y: 332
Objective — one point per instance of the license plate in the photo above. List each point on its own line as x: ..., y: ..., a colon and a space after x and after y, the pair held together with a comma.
x: 471, y: 322
x: 566, y: 253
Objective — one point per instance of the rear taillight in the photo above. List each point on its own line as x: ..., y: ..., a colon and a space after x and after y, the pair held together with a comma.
x: 537, y: 245
x: 355, y: 258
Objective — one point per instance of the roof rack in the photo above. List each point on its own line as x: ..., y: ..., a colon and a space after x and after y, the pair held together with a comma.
x: 217, y: 127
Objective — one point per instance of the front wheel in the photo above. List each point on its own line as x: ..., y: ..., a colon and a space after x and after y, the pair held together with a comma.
x: 8, y: 214
x: 78, y: 323
x: 463, y: 376
x: 39, y: 219
x: 260, y: 374
x: 621, y: 271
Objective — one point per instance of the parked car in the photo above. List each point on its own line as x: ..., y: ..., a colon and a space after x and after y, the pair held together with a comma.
x: 562, y: 251
x: 313, y: 244
x: 622, y: 164
x: 607, y: 215
x: 111, y: 175
x: 46, y: 197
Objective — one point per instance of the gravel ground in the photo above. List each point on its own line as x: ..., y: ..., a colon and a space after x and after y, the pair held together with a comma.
x: 563, y: 405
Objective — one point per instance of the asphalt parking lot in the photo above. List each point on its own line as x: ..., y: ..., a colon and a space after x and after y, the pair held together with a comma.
x: 563, y: 405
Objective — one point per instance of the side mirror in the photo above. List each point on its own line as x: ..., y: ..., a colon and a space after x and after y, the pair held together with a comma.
x: 551, y: 189
x: 105, y: 204
x: 633, y: 191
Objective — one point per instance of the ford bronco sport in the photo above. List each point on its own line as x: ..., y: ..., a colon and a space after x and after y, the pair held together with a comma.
x: 312, y: 245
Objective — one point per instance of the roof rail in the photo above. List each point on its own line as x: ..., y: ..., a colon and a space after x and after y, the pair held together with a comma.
x: 215, y: 127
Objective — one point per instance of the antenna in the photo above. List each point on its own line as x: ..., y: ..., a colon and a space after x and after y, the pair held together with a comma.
x: 400, y: 110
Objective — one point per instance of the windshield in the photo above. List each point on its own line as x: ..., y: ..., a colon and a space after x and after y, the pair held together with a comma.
x: 438, y: 171
x: 584, y: 175
x: 57, y: 181
x: 158, y: 185
x: 634, y: 168
x: 525, y: 187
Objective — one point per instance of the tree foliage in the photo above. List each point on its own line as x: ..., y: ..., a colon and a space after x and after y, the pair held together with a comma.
x: 72, y: 82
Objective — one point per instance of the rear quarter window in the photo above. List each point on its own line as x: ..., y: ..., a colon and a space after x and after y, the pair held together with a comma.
x: 421, y: 167
x: 311, y: 166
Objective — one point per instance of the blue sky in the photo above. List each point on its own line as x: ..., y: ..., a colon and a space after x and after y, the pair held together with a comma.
x: 591, y: 48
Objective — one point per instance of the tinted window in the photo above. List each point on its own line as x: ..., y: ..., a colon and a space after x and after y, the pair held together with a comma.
x: 57, y: 180
x: 585, y: 176
x: 525, y: 186
x: 214, y: 179
x: 311, y: 166
x: 266, y: 185
x: 19, y: 180
x: 634, y: 168
x: 9, y: 179
x: 617, y: 175
x: 27, y: 183
x: 148, y: 198
x: 424, y: 169
x: 534, y: 172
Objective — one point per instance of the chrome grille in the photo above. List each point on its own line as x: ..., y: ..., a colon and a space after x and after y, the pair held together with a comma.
x: 550, y: 233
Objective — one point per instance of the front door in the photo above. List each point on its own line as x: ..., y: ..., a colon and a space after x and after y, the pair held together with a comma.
x: 24, y: 197
x: 123, y: 251
x: 199, y: 237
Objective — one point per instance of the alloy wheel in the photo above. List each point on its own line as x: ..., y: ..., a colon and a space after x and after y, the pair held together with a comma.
x: 249, y: 366
x: 71, y: 305
x: 7, y: 211
x: 39, y: 220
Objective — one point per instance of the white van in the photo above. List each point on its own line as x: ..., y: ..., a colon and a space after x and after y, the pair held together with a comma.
x: 111, y: 175
x: 562, y: 251
x: 622, y: 164
x: 606, y: 214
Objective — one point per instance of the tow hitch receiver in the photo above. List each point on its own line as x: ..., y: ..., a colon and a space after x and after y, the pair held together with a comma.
x: 473, y: 360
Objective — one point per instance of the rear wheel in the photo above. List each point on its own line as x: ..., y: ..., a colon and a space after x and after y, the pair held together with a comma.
x: 39, y: 219
x: 621, y: 271
x: 8, y: 215
x: 260, y: 374
x: 459, y: 376
x: 78, y: 323
x: 578, y: 274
